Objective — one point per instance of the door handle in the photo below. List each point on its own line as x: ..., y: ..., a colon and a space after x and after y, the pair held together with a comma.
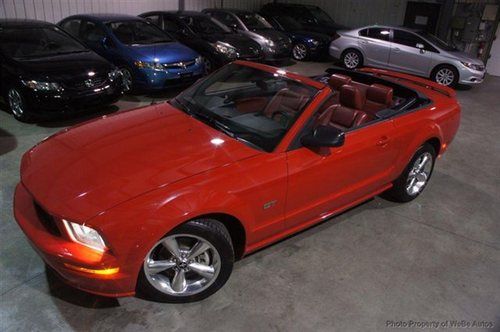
x: 396, y: 49
x: 383, y: 141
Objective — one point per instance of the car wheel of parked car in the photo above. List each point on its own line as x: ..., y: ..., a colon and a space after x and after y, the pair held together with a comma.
x: 189, y: 264
x: 415, y: 176
x: 17, y: 105
x: 127, y: 80
x: 300, y: 52
x: 352, y: 59
x: 445, y: 75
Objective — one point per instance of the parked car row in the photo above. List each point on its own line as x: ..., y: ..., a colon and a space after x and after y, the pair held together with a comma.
x: 91, y: 60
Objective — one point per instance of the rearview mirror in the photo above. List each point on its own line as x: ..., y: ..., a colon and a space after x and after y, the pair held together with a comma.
x: 324, y: 136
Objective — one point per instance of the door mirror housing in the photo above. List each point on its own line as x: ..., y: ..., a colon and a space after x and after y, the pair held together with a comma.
x: 324, y: 136
x: 420, y: 46
x: 106, y: 43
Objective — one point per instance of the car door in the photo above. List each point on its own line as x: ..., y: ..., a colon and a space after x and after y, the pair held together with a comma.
x: 326, y: 180
x: 376, y: 46
x: 410, y: 53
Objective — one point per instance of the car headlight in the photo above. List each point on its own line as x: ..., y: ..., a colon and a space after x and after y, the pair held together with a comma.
x: 314, y: 42
x: 148, y: 65
x: 43, y: 86
x: 225, y: 48
x: 114, y: 74
x: 472, y: 66
x: 84, y: 235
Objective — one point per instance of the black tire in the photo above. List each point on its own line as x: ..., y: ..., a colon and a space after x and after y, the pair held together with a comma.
x: 215, y: 233
x: 24, y: 115
x: 300, y: 52
x: 399, y: 192
x: 439, y: 71
x: 127, y: 87
x: 352, y: 59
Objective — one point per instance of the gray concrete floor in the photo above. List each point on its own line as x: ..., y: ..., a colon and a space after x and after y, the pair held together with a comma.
x: 434, y: 259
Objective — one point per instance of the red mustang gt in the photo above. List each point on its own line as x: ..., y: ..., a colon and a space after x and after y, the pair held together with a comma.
x: 161, y: 200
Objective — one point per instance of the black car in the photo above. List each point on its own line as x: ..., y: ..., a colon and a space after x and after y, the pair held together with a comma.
x: 313, y: 18
x: 43, y: 71
x: 306, y: 44
x: 276, y: 45
x: 213, y: 40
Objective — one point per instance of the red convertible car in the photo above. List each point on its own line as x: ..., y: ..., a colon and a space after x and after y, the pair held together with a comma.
x: 161, y: 200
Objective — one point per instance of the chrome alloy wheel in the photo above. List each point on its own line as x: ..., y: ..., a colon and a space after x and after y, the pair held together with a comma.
x: 16, y: 103
x: 419, y: 174
x: 351, y: 60
x: 126, y: 79
x: 299, y: 52
x: 182, y: 265
x: 445, y: 76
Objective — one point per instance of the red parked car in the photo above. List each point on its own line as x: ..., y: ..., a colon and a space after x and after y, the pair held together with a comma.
x: 161, y: 200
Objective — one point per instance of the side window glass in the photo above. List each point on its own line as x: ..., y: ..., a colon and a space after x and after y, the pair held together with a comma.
x: 72, y: 27
x: 378, y: 33
x: 363, y: 33
x: 155, y: 19
x: 408, y: 39
x: 171, y: 26
x: 91, y: 32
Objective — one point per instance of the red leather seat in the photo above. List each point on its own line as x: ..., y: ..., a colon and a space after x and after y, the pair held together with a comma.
x: 285, y: 102
x: 348, y: 114
x: 336, y: 81
x: 378, y: 97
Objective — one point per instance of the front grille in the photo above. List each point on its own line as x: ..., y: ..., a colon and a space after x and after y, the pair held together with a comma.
x: 179, y: 65
x: 89, y: 83
x: 47, y: 220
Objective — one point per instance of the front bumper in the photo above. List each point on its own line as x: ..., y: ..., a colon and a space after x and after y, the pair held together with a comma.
x: 470, y: 76
x: 153, y: 80
x: 84, y: 268
x: 276, y: 54
x: 67, y: 101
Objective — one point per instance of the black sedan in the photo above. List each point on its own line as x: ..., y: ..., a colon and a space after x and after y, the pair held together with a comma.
x: 45, y: 71
x: 213, y: 40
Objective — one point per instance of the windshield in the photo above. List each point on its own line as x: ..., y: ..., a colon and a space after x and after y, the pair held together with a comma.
x: 289, y: 23
x: 205, y: 24
x: 437, y: 41
x: 37, y: 42
x: 320, y: 15
x: 251, y: 105
x: 138, y: 33
x: 254, y: 21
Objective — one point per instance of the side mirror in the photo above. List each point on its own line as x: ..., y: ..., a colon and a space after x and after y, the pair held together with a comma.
x: 324, y: 136
x: 234, y: 27
x: 105, y: 42
x: 421, y: 47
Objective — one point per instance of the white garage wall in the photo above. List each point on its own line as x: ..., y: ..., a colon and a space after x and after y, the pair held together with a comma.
x: 348, y: 12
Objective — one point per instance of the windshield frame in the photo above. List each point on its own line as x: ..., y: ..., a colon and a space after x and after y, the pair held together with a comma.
x: 81, y: 49
x: 259, y: 18
x: 168, y: 39
x: 184, y: 101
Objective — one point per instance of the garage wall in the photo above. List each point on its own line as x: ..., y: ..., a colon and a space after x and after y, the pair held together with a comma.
x: 348, y: 12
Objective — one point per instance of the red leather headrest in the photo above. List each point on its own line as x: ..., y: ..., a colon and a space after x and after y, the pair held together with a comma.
x: 351, y: 96
x: 380, y: 94
x: 336, y: 81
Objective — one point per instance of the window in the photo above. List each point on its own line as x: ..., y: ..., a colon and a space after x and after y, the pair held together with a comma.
x: 90, y: 32
x: 215, y: 101
x: 254, y: 21
x: 155, y: 19
x: 37, y: 42
x: 205, y: 24
x: 171, y: 25
x: 72, y: 27
x: 376, y: 33
x: 407, y: 38
x: 226, y: 18
x: 138, y: 33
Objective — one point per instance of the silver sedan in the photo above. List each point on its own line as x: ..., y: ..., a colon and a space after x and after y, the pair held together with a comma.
x: 406, y: 50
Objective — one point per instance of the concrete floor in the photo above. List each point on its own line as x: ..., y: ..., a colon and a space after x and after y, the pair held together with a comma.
x: 434, y: 259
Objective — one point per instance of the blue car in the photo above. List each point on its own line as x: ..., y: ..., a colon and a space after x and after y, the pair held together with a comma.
x: 306, y: 45
x: 148, y: 57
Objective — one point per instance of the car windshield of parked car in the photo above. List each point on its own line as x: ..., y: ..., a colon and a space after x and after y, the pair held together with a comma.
x: 437, y: 41
x: 205, y: 24
x: 253, y: 106
x: 20, y: 43
x: 254, y: 21
x: 289, y: 24
x: 138, y: 33
x: 320, y: 15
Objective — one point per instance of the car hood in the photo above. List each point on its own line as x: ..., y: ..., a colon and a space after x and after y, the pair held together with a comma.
x: 462, y: 56
x: 274, y: 35
x: 63, y: 67
x: 81, y: 172
x: 302, y: 34
x: 163, y: 53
